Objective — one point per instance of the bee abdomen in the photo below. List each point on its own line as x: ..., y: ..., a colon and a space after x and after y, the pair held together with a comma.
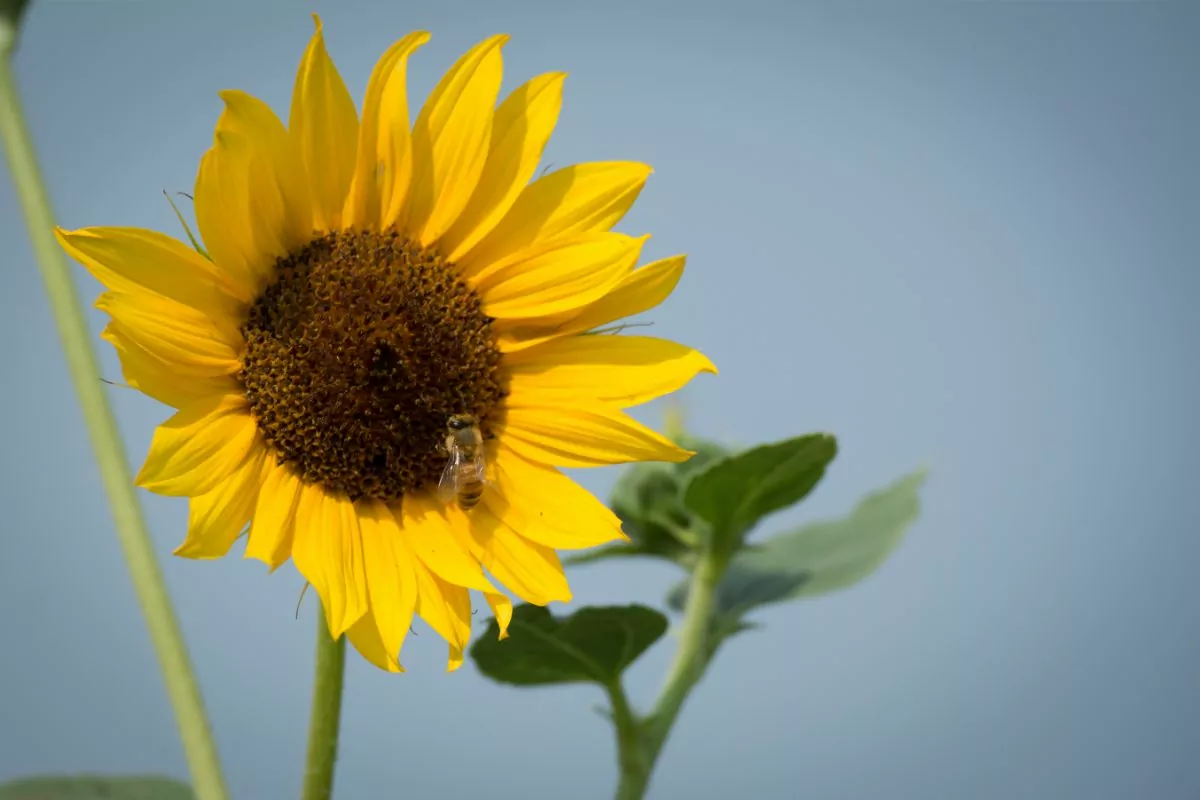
x: 469, y: 495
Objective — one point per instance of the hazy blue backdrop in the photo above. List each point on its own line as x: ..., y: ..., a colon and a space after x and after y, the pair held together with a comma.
x: 960, y: 234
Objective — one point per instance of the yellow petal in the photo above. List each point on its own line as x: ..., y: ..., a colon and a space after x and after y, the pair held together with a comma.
x: 227, y: 221
x: 391, y: 583
x: 274, y: 522
x: 377, y: 132
x: 559, y: 276
x: 366, y: 636
x: 327, y: 549
x: 346, y: 569
x: 177, y: 335
x: 450, y: 140
x: 520, y: 130
x: 447, y: 609
x: 159, y: 379
x: 586, y: 436
x: 502, y: 610
x: 216, y: 519
x: 308, y: 543
x: 626, y: 370
x: 279, y: 198
x: 638, y: 291
x: 547, y: 507
x: 426, y: 527
x: 532, y: 571
x: 455, y: 659
x: 395, y: 146
x: 324, y: 125
x: 133, y: 260
x: 197, y: 448
x: 584, y: 198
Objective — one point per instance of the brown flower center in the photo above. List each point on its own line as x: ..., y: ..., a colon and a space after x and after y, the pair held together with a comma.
x: 356, y: 357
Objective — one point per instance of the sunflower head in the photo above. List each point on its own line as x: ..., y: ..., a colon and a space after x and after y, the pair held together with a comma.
x: 335, y: 347
x: 367, y: 284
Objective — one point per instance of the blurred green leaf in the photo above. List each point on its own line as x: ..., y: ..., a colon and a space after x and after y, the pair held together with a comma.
x: 13, y: 10
x: 734, y: 493
x: 606, y: 552
x: 594, y: 644
x: 706, y: 453
x: 818, y: 558
x: 648, y: 499
x: 95, y: 787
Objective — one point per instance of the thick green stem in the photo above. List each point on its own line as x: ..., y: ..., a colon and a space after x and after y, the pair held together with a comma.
x: 76, y: 340
x: 325, y: 715
x: 691, y: 659
x: 631, y: 750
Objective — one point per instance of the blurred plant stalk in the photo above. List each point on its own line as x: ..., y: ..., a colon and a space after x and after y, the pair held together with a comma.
x: 148, y: 584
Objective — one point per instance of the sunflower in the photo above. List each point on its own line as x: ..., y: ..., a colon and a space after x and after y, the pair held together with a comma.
x: 361, y: 283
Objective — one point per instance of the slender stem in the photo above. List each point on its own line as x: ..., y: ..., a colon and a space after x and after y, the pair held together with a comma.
x: 106, y: 442
x: 690, y: 661
x: 691, y: 657
x: 326, y: 714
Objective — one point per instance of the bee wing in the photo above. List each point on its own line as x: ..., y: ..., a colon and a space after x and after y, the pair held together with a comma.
x: 480, y: 465
x: 448, y: 485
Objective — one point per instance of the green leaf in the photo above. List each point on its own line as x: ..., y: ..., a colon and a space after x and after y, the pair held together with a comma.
x: 594, y: 644
x: 818, y: 558
x: 95, y: 787
x: 608, y: 551
x: 11, y: 11
x: 735, y: 492
x: 649, y: 500
x: 706, y: 452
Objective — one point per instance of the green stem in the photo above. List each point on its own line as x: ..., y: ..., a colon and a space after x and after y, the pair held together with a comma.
x: 325, y: 716
x: 106, y: 442
x: 688, y: 666
x: 631, y: 750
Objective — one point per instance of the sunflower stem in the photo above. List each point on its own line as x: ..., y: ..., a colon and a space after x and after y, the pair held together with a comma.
x: 689, y: 664
x: 326, y: 714
x: 631, y: 745
x: 144, y: 573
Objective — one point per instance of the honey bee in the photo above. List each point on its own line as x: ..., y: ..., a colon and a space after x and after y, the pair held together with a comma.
x: 465, y: 474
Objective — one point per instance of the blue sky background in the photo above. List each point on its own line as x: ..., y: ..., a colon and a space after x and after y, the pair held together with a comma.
x: 961, y: 234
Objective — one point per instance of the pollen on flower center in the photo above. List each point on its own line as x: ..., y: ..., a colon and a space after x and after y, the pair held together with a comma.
x: 356, y: 356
